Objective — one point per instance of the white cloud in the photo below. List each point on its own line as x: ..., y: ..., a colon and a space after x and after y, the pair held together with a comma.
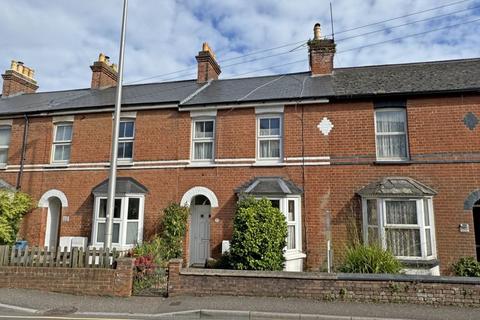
x: 60, y: 39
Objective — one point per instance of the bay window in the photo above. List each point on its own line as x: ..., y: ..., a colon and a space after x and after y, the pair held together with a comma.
x: 290, y: 207
x: 127, y: 221
x: 391, y: 134
x: 400, y: 225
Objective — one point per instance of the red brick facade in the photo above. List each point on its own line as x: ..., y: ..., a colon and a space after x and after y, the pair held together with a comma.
x: 444, y: 155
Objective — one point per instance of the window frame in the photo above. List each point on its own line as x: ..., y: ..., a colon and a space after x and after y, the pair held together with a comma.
x: 127, y: 139
x: 56, y: 143
x: 279, y: 137
x: 405, y: 125
x: 7, y: 146
x: 123, y: 221
x: 194, y: 140
x: 382, y: 226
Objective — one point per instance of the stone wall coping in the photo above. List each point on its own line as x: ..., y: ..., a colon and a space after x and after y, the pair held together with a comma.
x: 329, y: 276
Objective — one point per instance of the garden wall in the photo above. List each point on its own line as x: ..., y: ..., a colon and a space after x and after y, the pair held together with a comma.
x: 81, y: 281
x: 458, y: 291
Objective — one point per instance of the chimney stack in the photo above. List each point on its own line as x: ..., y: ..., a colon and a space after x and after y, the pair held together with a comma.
x: 321, y: 53
x: 208, y: 67
x: 104, y: 73
x: 18, y: 79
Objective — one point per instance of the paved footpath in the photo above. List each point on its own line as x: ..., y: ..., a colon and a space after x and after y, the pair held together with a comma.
x: 31, y: 304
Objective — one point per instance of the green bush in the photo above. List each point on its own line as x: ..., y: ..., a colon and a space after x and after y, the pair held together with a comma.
x: 370, y: 259
x: 467, y: 267
x: 259, y: 236
x: 13, y: 206
x: 169, y: 243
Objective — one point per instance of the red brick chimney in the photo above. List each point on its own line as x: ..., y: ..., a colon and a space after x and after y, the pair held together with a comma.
x: 208, y: 68
x: 104, y: 73
x: 18, y: 79
x: 321, y: 53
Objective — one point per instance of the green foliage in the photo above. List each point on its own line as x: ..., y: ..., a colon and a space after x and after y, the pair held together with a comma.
x: 370, y: 259
x: 259, y: 236
x: 169, y: 244
x: 467, y: 267
x: 13, y: 206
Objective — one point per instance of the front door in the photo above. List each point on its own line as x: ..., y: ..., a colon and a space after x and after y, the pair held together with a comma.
x: 476, y: 227
x: 199, y: 234
x: 53, y: 223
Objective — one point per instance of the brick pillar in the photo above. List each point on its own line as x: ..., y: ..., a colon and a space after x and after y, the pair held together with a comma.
x: 174, y: 287
x: 123, y: 282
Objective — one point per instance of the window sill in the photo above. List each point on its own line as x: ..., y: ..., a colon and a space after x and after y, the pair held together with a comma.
x: 57, y: 165
x: 125, y: 163
x: 393, y: 162
x: 266, y: 163
x: 3, y: 166
x: 200, y: 164
x: 430, y: 263
x: 294, y: 255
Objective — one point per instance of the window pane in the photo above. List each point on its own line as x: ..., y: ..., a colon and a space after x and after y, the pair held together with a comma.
x: 128, y: 150
x: 121, y: 148
x: 66, y: 152
x: 275, y: 126
x: 372, y: 236
x: 199, y: 129
x: 404, y: 242
x: 102, y: 211
x: 5, y: 136
x: 426, y: 213
x: 3, y: 155
x: 132, y: 233
x: 209, y: 129
x: 67, y: 134
x: 203, y: 150
x: 117, y: 208
x: 126, y: 129
x: 59, y: 133
x: 275, y: 203
x: 264, y: 127
x: 291, y: 210
x: 428, y: 238
x: 63, y: 132
x: 269, y: 127
x: 270, y: 149
x: 116, y: 233
x: 390, y: 121
x: 133, y: 208
x: 392, y: 146
x: 372, y: 216
x: 62, y: 152
x: 101, y: 232
x: 401, y: 212
x: 291, y: 237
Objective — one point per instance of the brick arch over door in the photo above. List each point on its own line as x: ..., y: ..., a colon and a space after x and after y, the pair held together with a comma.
x: 471, y: 200
x: 43, y: 202
x: 195, y: 191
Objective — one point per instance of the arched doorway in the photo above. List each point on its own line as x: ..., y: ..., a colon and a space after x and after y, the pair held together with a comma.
x: 200, y: 212
x: 52, y: 230
x: 476, y: 226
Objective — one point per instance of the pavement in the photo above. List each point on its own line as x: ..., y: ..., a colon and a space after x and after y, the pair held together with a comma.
x: 32, y: 304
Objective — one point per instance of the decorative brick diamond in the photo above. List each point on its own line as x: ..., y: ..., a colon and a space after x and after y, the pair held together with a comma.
x: 325, y: 126
x: 470, y: 120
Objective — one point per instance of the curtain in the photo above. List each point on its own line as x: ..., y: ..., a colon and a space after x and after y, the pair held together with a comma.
x: 401, y: 212
x: 291, y: 237
x: 404, y: 242
x: 391, y: 135
x: 203, y: 150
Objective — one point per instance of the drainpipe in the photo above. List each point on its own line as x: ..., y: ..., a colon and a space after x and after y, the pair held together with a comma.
x: 24, y: 149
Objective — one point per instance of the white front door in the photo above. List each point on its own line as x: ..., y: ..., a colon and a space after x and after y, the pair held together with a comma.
x: 199, y: 234
x: 53, y: 220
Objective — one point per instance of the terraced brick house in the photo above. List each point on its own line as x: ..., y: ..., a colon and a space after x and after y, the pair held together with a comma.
x: 388, y: 154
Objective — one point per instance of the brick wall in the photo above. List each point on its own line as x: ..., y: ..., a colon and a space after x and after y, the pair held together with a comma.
x: 348, y: 287
x: 81, y: 281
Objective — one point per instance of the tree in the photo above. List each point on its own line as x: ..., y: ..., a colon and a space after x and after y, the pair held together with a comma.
x: 259, y: 236
x: 13, y: 206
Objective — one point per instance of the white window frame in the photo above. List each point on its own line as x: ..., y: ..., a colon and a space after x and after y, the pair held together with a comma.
x: 278, y: 137
x: 405, y: 132
x: 202, y: 140
x: 61, y: 142
x: 128, y: 139
x: 382, y: 225
x: 297, y: 223
x: 7, y: 146
x: 121, y: 245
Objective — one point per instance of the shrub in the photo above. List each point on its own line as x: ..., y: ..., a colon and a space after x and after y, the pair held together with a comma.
x: 259, y: 236
x: 370, y: 259
x: 467, y: 267
x: 13, y: 206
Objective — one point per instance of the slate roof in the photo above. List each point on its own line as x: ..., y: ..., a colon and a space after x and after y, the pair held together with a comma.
x: 269, y: 186
x: 123, y: 186
x: 396, y: 187
x: 371, y: 81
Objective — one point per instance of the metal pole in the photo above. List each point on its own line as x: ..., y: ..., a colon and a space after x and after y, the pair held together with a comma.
x: 112, y: 179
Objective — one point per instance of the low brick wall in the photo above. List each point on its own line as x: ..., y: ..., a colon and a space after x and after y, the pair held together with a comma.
x: 433, y: 290
x: 82, y: 281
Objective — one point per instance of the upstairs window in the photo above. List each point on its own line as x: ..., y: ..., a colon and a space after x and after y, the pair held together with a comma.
x: 62, y: 142
x: 203, y: 140
x: 5, y: 132
x: 125, y: 139
x: 391, y: 134
x: 269, y: 138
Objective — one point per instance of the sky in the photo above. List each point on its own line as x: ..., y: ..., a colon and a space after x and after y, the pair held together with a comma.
x: 61, y: 39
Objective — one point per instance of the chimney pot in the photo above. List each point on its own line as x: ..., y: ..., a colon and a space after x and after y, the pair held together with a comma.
x: 317, y: 32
